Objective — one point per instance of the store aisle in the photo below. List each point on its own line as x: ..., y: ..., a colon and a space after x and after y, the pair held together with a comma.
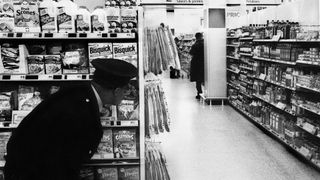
x: 213, y: 143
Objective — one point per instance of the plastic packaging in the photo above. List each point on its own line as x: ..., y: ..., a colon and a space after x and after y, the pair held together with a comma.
x: 48, y: 16
x: 98, y: 20
x: 83, y: 20
x: 66, y: 11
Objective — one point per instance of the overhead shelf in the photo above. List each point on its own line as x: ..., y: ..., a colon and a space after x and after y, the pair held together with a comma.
x: 232, y: 85
x: 297, y: 151
x: 308, y: 63
x: 279, y: 106
x: 246, y: 39
x: 246, y: 54
x: 232, y: 57
x: 277, y: 84
x: 233, y: 45
x: 234, y: 71
x: 274, y: 60
x: 310, y: 108
x: 246, y: 68
x: 68, y: 36
x: 308, y: 88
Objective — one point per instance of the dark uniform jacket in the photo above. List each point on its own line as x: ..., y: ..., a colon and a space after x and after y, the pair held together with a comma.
x: 54, y: 140
x: 197, y: 62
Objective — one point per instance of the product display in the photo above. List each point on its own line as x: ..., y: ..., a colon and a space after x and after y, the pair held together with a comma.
x: 26, y: 16
x: 128, y: 173
x: 126, y: 52
x: 125, y: 143
x: 4, y: 138
x: 107, y: 174
x: 48, y: 19
x: 105, y: 148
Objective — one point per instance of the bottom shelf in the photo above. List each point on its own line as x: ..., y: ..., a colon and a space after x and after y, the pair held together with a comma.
x: 275, y: 135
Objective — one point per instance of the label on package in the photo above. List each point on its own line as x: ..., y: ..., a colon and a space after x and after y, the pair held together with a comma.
x: 125, y: 145
x: 107, y: 173
x: 129, y: 173
x: 83, y: 23
x: 48, y: 23
x: 126, y: 51
x: 64, y: 21
x: 99, y: 50
x: 36, y: 64
x: 53, y: 64
x: 97, y: 24
x: 26, y: 17
x: 128, y: 20
x: 113, y: 18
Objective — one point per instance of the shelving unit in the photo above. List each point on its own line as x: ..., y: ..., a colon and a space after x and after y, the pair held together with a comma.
x: 13, y: 80
x: 289, y: 110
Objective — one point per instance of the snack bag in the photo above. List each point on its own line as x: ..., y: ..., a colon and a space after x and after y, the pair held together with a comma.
x: 107, y: 174
x: 53, y: 64
x: 125, y: 143
x: 75, y: 62
x: 48, y: 16
x: 35, y: 64
x: 83, y: 20
x: 126, y: 51
x: 37, y: 49
x: 98, y: 20
x: 26, y: 16
x: 99, y: 50
x: 128, y: 20
x: 5, y: 106
x: 129, y: 173
x: 113, y: 18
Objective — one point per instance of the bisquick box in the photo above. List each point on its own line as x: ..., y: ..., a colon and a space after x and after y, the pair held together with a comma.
x: 126, y: 51
x: 99, y: 50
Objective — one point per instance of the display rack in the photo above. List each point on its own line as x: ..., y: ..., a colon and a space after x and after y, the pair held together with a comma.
x: 256, y: 105
x: 13, y: 80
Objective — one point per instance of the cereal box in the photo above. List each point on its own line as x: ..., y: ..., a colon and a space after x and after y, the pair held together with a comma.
x: 125, y: 109
x: 99, y: 50
x: 128, y: 20
x: 129, y: 173
x: 113, y: 18
x: 105, y: 148
x: 107, y: 174
x: 35, y: 64
x: 112, y: 3
x: 125, y: 143
x: 13, y: 59
x: 126, y: 51
x: 26, y: 16
x: 108, y: 113
x: 53, y: 64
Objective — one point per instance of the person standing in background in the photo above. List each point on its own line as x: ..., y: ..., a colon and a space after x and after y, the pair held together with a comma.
x: 197, y: 63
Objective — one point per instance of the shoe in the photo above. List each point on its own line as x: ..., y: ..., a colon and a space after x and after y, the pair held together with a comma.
x: 197, y: 96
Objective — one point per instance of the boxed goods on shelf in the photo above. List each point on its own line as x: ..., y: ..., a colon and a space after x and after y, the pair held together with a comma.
x: 105, y: 148
x: 26, y: 16
x: 125, y: 143
x: 4, y: 138
x: 128, y: 20
x: 126, y: 52
x: 6, y: 106
x: 83, y: 20
x: 107, y: 173
x: 13, y: 59
x: 48, y: 19
x: 113, y: 18
x: 129, y: 173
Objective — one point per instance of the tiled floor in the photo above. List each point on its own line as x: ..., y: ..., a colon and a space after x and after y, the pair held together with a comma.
x: 213, y: 143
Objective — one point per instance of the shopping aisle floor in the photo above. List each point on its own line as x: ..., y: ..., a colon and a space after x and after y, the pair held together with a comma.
x: 213, y: 143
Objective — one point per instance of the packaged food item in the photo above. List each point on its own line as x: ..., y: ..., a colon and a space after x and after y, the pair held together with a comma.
x: 48, y: 16
x: 83, y: 20
x: 125, y: 143
x: 17, y: 117
x: 35, y: 64
x: 6, y: 23
x: 53, y: 64
x: 5, y: 106
x: 99, y: 50
x: 28, y: 98
x: 128, y: 3
x: 26, y: 16
x: 125, y: 109
x: 113, y: 18
x: 75, y: 62
x: 107, y: 174
x: 66, y: 11
x: 13, y: 59
x: 112, y: 3
x: 109, y: 113
x: 129, y: 173
x: 4, y: 138
x: 128, y: 20
x: 87, y: 174
x: 98, y: 20
x: 105, y: 148
x: 6, y: 7
x: 126, y: 51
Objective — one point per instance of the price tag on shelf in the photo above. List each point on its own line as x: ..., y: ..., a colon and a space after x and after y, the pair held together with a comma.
x: 60, y: 35
x: 3, y: 35
x: 45, y: 77
x: 281, y: 105
x: 304, y: 151
x: 310, y: 128
x: 30, y: 35
x: 74, y: 77
x: 129, y: 123
x: 18, y: 77
x: 95, y: 35
x: 262, y: 76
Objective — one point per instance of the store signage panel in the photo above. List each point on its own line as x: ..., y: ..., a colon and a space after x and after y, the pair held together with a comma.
x: 263, y: 2
x: 217, y: 18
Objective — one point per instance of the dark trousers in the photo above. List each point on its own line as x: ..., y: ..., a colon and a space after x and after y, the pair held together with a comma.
x: 198, y: 86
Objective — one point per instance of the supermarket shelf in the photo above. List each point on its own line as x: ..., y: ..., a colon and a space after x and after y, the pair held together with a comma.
x: 246, y: 54
x: 247, y: 95
x: 246, y: 39
x: 171, y: 4
x: 274, y: 60
x: 301, y: 127
x: 233, y: 45
x: 265, y: 40
x: 275, y: 105
x: 120, y: 124
x: 234, y: 71
x: 68, y: 36
x: 247, y: 82
x: 45, y: 77
x: 243, y: 67
x: 277, y: 84
x: 232, y: 57
x: 309, y: 108
x: 308, y: 88
x: 310, y: 63
x: 275, y: 135
x: 230, y: 37
x: 234, y: 86
x: 111, y: 164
